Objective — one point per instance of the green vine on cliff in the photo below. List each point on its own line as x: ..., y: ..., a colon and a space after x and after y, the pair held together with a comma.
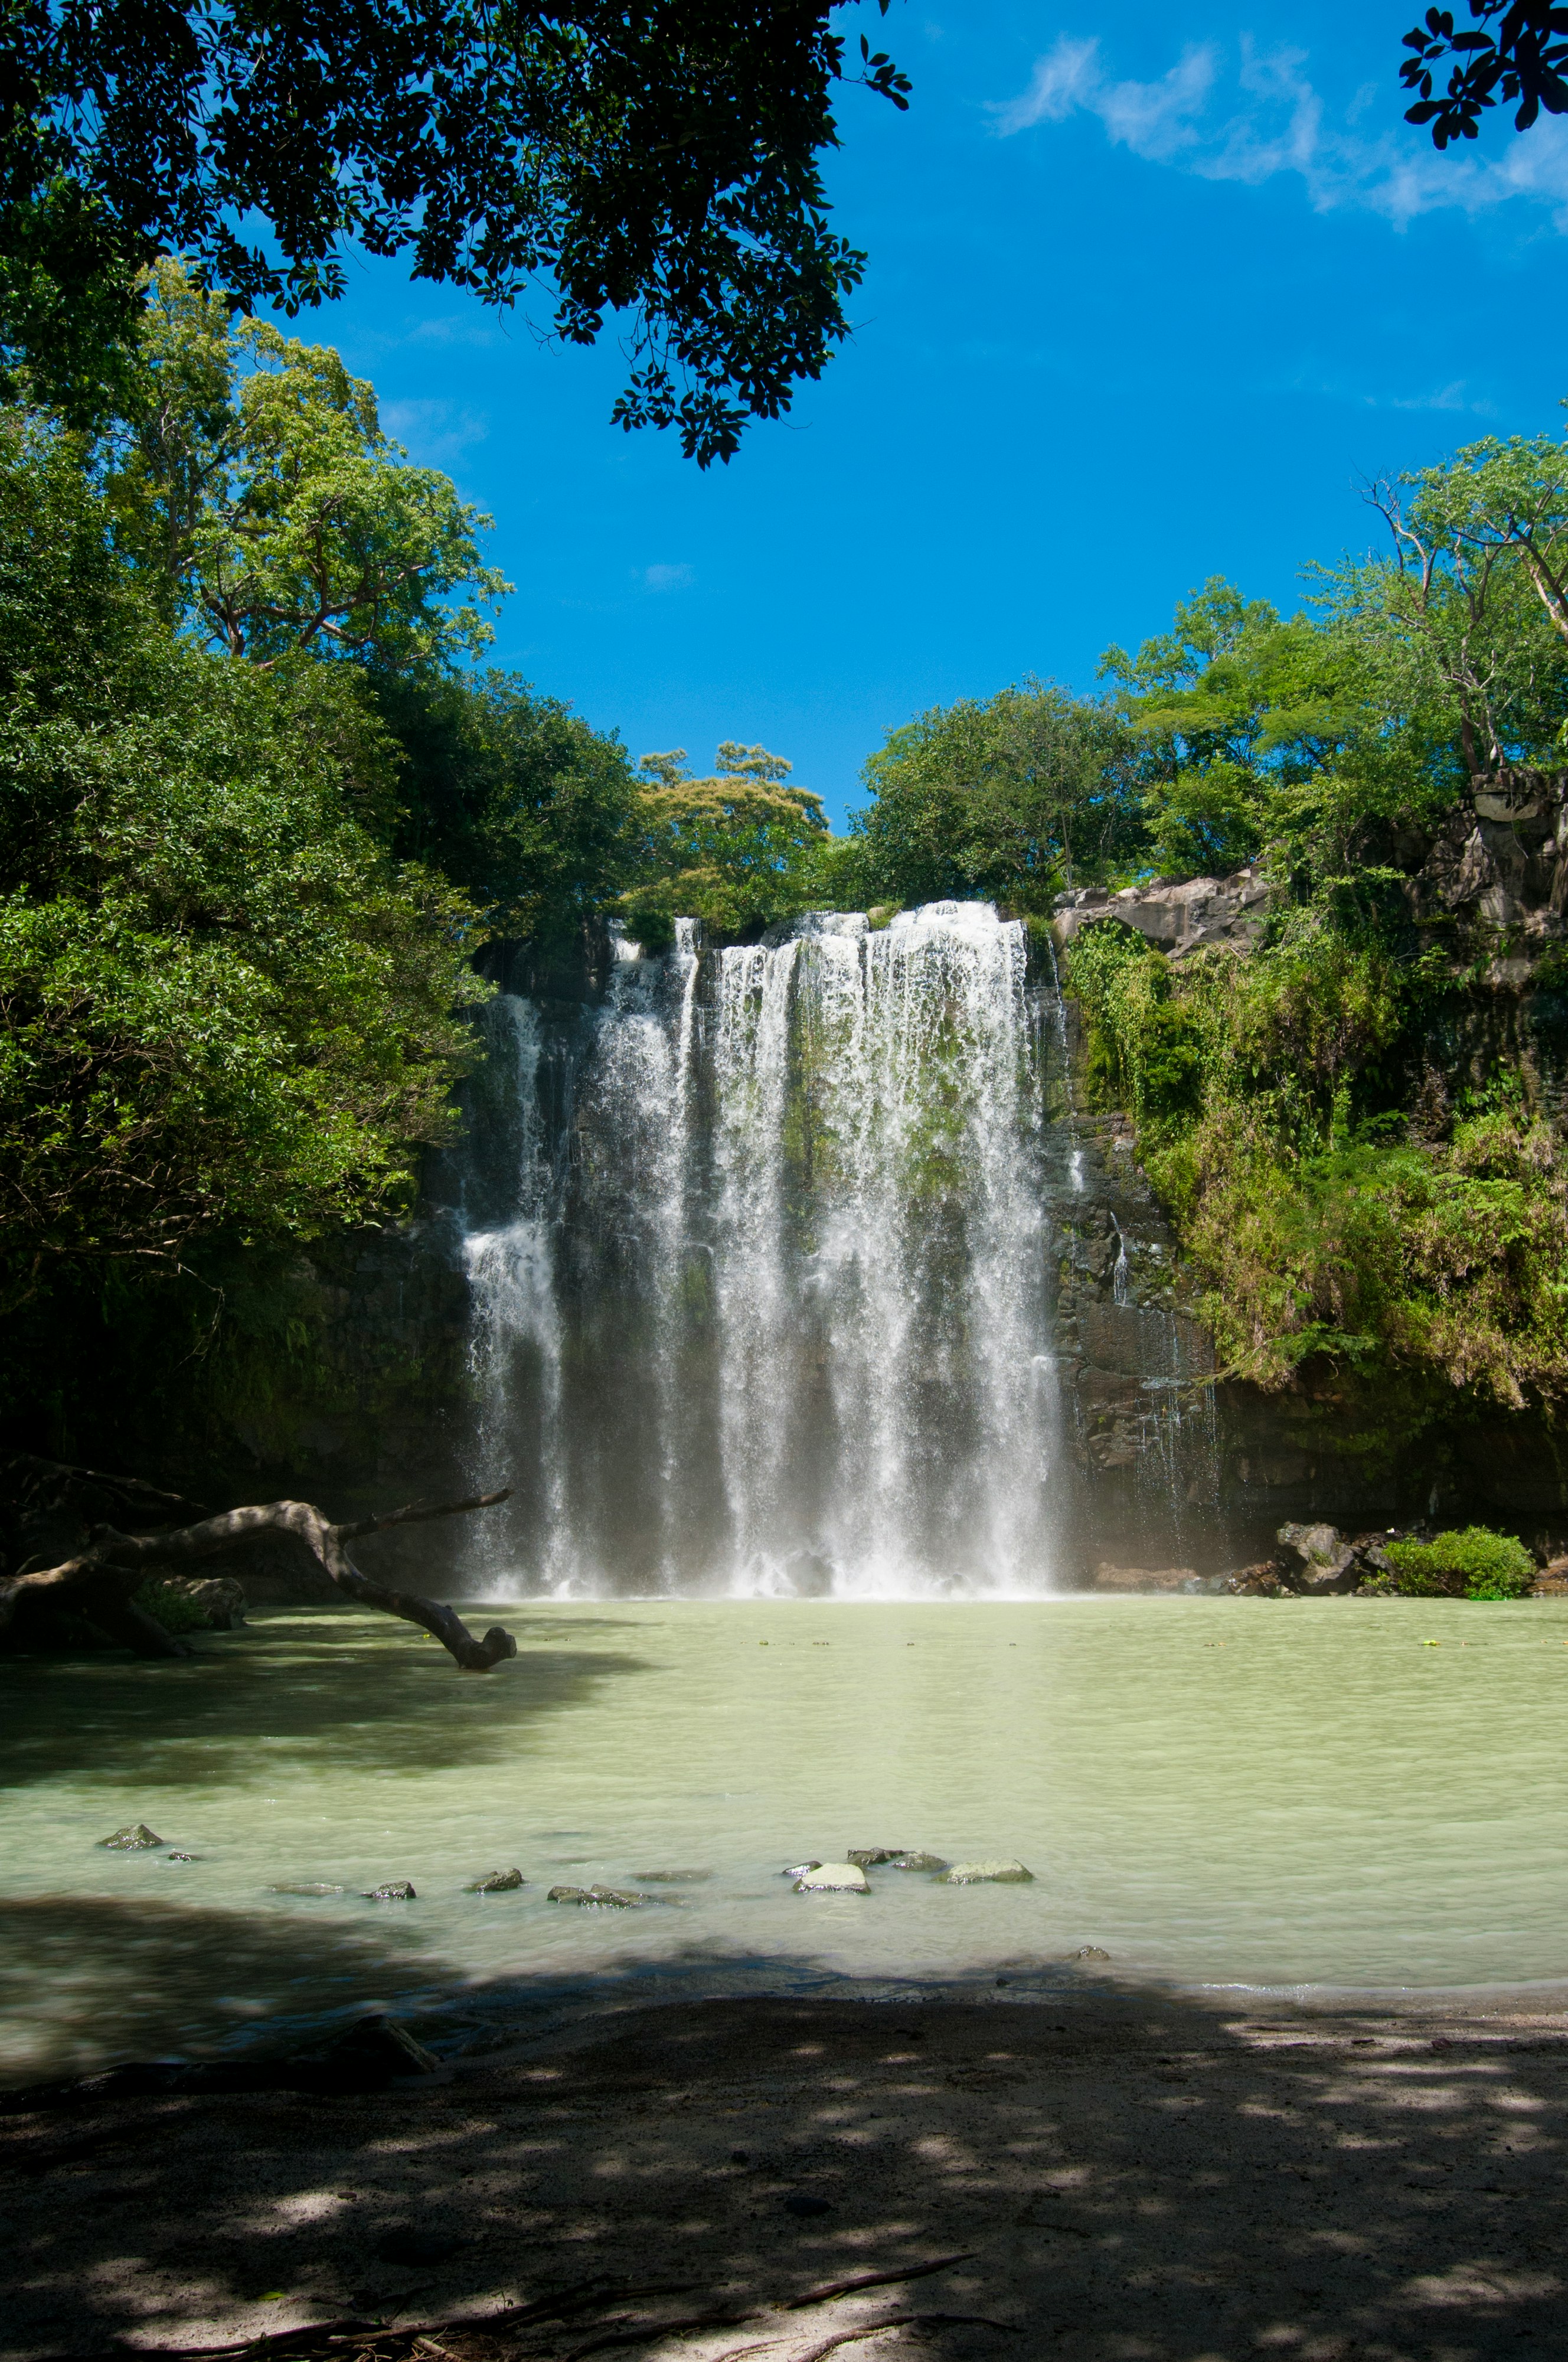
x: 1343, y: 1214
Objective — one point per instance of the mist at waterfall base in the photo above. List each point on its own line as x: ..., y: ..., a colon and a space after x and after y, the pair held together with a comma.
x: 761, y: 1263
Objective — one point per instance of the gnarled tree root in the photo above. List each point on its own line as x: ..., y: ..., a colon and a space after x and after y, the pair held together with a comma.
x: 100, y: 1579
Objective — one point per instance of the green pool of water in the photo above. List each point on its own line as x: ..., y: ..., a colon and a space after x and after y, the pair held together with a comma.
x: 1211, y: 1791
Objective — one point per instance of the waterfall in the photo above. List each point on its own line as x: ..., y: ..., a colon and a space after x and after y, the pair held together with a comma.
x: 771, y: 1313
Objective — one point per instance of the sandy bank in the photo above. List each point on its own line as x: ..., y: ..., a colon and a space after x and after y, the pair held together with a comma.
x: 1130, y: 2178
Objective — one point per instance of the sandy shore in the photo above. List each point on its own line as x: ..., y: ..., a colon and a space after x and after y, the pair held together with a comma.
x: 1131, y: 2179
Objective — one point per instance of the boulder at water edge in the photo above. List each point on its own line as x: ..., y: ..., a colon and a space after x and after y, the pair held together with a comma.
x: 137, y: 1838
x: 986, y: 1873
x: 496, y: 1882
x: 833, y: 1878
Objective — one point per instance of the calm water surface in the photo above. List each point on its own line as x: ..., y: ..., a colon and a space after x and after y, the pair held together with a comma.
x: 1212, y: 1791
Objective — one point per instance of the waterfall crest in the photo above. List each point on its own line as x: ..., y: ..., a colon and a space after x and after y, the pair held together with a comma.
x: 767, y: 1309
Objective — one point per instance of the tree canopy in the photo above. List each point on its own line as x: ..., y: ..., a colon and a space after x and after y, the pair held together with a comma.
x: 659, y: 163
x: 224, y: 1013
x: 251, y: 480
x: 735, y: 849
x: 1511, y: 49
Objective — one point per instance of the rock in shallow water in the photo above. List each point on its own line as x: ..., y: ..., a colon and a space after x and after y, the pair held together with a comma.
x: 309, y: 1886
x: 929, y: 1862
x: 672, y: 1877
x: 800, y: 1868
x: 395, y: 1890
x: 598, y: 1898
x: 137, y: 1838
x: 868, y: 1857
x: 496, y: 1882
x: 986, y: 1873
x: 833, y: 1878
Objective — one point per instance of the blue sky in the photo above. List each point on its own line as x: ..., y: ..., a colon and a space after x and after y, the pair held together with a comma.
x: 1144, y: 305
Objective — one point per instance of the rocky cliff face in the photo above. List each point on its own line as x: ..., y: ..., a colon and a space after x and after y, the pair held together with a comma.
x: 1495, y: 876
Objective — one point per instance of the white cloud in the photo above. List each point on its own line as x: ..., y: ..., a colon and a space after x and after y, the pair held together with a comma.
x: 1265, y: 118
x: 667, y: 578
x: 434, y: 433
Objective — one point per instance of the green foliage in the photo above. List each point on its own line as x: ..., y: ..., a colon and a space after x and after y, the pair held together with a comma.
x: 1471, y: 1564
x: 512, y: 796
x: 1009, y: 800
x: 224, y: 1013
x: 254, y: 484
x: 172, y: 1607
x: 659, y: 162
x: 735, y: 850
x: 1271, y: 1091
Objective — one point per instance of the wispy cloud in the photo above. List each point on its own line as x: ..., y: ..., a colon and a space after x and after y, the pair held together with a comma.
x: 666, y: 577
x: 1259, y: 115
x: 434, y: 432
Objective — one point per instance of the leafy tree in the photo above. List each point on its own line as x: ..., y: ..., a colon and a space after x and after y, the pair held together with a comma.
x: 224, y: 1013
x: 1473, y: 606
x: 512, y: 797
x: 659, y: 162
x: 1011, y: 799
x: 735, y: 849
x: 1524, y: 56
x: 253, y: 483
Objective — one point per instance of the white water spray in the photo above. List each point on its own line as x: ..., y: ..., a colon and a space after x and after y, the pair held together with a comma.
x: 801, y: 1335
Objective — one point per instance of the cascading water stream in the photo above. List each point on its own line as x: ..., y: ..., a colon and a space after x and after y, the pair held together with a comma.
x: 774, y: 1315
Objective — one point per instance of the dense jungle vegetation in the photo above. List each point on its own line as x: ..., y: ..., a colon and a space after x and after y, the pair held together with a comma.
x: 262, y: 805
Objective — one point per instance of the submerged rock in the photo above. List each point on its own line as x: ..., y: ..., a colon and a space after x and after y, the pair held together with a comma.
x: 496, y: 1882
x: 986, y: 1873
x: 800, y: 1868
x: 395, y: 1890
x: 1107, y: 1577
x: 916, y: 1861
x: 598, y: 1898
x: 802, y: 2202
x: 136, y: 1838
x: 833, y: 1878
x: 1088, y: 1952
x: 177, y: 1856
x: 672, y: 1877
x: 307, y: 1886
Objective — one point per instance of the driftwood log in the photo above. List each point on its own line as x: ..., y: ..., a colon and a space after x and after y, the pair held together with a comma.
x: 98, y: 1581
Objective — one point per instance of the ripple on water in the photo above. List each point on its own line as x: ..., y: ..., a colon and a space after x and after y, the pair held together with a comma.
x: 1252, y: 1792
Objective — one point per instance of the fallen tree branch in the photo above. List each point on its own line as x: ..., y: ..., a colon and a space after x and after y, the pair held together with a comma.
x: 100, y: 1579
x: 875, y: 2280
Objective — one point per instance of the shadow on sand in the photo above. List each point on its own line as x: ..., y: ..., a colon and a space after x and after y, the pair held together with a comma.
x: 1131, y: 2178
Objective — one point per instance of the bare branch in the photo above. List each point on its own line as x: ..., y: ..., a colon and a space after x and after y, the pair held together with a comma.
x: 102, y: 1578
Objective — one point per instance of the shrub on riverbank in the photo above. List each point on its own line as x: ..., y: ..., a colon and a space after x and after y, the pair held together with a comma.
x: 1470, y: 1563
